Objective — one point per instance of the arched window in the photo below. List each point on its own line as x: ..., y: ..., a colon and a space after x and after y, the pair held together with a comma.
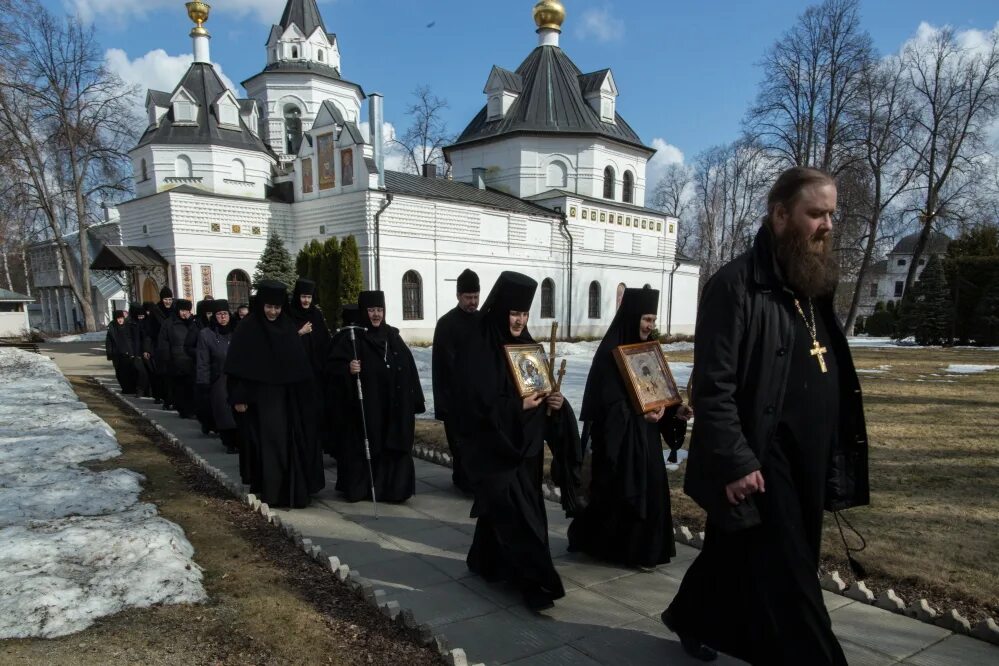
x: 594, y: 300
x: 609, y: 183
x: 547, y: 299
x: 412, y: 295
x: 620, y: 294
x: 292, y: 129
x: 238, y: 170
x: 237, y: 288
x: 294, y: 51
x: 145, y: 170
x: 321, y: 55
x: 182, y: 167
x: 558, y: 175
x: 628, y: 188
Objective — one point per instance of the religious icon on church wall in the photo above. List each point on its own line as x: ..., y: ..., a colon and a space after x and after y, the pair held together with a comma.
x: 306, y: 175
x: 647, y: 376
x: 324, y: 150
x: 347, y: 166
x: 529, y: 366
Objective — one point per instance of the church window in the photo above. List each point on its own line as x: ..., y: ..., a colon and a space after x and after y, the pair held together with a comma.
x: 412, y: 295
x: 620, y: 293
x: 292, y: 129
x: 594, y: 300
x: 238, y: 170
x: 294, y: 52
x: 901, y: 262
x: 237, y: 288
x: 185, y: 111
x: 320, y: 55
x: 145, y: 170
x: 548, y: 299
x: 609, y: 183
x: 899, y: 289
x: 558, y: 175
x: 874, y: 289
x: 628, y: 188
x: 182, y: 167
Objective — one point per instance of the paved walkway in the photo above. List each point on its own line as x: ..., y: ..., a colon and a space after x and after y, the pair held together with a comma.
x: 610, y: 615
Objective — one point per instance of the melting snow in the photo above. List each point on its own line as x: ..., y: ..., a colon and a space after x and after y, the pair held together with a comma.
x: 966, y: 369
x: 75, y: 545
x: 96, y: 336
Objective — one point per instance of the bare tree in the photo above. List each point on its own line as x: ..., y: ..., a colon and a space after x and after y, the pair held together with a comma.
x: 886, y: 123
x: 66, y: 124
x: 424, y: 140
x: 956, y: 91
x: 810, y: 84
x: 672, y: 195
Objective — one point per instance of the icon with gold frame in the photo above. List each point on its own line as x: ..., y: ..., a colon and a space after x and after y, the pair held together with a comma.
x: 529, y: 368
x: 647, y: 376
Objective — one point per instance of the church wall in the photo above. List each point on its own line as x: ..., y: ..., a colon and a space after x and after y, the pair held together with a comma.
x: 213, y: 169
x: 331, y: 216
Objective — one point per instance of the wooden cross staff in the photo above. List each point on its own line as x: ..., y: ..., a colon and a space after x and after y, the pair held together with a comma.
x: 558, y: 381
x: 551, y: 349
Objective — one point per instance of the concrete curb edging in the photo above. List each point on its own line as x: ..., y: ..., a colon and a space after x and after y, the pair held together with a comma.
x: 986, y: 630
x: 363, y: 588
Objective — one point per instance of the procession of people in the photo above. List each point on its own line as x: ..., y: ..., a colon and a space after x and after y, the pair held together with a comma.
x: 779, y: 436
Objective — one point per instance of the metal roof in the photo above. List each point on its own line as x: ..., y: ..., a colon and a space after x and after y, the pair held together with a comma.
x: 510, y: 81
x: 8, y: 296
x: 936, y: 244
x: 551, y: 103
x: 303, y: 13
x: 442, y: 189
x: 304, y: 67
x: 548, y: 194
x: 122, y: 257
x: 204, y: 84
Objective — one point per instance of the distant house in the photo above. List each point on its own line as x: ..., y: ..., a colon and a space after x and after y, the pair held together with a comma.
x: 885, y: 280
x: 13, y: 313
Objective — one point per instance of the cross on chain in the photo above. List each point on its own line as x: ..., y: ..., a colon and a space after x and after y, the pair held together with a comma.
x: 818, y: 352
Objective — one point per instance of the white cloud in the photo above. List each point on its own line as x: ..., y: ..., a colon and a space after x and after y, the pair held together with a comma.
x: 120, y: 13
x: 156, y: 70
x: 395, y: 156
x: 666, y: 154
x: 978, y: 42
x: 600, y: 24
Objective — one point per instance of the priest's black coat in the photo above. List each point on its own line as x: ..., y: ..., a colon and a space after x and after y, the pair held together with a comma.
x: 392, y: 398
x: 121, y: 353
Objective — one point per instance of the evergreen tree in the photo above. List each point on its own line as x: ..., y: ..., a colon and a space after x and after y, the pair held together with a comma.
x: 275, y: 264
x: 302, y: 262
x: 315, y: 257
x: 329, y: 280
x: 351, y: 278
x: 986, y: 324
x: 927, y: 311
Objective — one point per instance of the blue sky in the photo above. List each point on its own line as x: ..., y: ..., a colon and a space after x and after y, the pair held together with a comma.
x: 686, y: 69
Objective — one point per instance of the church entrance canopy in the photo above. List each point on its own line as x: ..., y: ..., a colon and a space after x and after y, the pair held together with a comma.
x: 143, y: 268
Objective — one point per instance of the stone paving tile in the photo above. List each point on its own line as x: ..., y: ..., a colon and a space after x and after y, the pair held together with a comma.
x: 834, y: 601
x: 643, y: 643
x: 956, y: 650
x: 880, y: 630
x: 403, y: 574
x: 501, y: 637
x: 580, y: 611
x: 857, y: 655
x: 560, y: 656
x: 585, y: 572
x: 357, y: 554
x: 444, y: 603
x: 647, y: 593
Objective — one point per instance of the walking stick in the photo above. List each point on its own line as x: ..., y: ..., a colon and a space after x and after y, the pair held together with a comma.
x: 364, y: 420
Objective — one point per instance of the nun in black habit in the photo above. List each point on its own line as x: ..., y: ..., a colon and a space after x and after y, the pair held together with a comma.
x: 392, y: 398
x: 503, y: 439
x: 135, y: 331
x: 270, y: 386
x: 628, y: 519
x: 119, y: 350
x: 314, y: 335
x: 212, y: 349
x: 339, y: 387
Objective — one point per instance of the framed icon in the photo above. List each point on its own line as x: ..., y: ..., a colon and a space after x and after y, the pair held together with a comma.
x: 647, y: 376
x: 529, y: 367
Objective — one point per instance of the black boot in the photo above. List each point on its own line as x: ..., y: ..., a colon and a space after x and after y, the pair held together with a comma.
x: 537, y: 599
x: 692, y: 646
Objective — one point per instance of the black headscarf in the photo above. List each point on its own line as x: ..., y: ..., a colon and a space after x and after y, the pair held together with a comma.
x: 624, y: 330
x: 218, y: 306
x: 134, y: 310
x: 302, y: 287
x: 371, y: 299
x: 204, y: 310
x: 266, y: 351
x: 349, y: 314
x: 511, y: 292
x: 468, y: 282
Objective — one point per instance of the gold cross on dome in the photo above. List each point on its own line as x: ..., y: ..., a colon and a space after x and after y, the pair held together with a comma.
x: 818, y: 352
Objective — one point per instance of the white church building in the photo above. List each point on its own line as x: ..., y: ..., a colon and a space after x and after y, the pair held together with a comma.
x: 551, y: 185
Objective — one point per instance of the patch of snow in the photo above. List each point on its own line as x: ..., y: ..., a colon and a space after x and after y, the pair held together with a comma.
x: 879, y: 370
x: 96, y: 336
x: 968, y: 369
x: 681, y: 455
x: 75, y: 545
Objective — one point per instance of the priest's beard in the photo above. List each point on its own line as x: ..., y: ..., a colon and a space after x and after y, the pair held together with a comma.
x: 809, y: 265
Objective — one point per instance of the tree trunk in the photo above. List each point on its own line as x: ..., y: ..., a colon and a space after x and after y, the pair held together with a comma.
x: 27, y: 273
x: 865, y: 263
x: 6, y: 270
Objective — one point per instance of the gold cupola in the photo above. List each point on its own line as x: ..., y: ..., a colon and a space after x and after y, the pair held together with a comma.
x: 549, y: 15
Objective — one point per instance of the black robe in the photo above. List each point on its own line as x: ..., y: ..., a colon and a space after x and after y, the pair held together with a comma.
x: 136, y: 332
x: 156, y: 317
x: 628, y: 519
x: 119, y: 350
x: 754, y: 593
x: 317, y: 349
x: 267, y: 370
x: 452, y: 330
x: 392, y: 398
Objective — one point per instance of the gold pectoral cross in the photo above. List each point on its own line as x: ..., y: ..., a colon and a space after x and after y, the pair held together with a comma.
x: 818, y: 351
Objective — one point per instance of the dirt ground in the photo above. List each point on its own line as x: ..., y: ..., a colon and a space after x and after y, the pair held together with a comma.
x: 268, y: 602
x: 932, y: 529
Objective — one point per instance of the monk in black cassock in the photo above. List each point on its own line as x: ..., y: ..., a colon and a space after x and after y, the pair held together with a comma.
x: 779, y: 436
x: 628, y: 518
x: 270, y: 386
x: 339, y: 387
x: 503, y: 438
x: 392, y: 398
x: 158, y: 314
x: 174, y: 359
x: 118, y: 349
x: 135, y: 331
x: 202, y: 319
x: 314, y: 335
x: 212, y: 350
x: 452, y: 330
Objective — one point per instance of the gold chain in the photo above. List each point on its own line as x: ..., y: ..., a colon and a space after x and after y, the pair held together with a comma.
x: 812, y: 327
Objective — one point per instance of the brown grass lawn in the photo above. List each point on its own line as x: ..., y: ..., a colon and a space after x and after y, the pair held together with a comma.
x: 932, y: 528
